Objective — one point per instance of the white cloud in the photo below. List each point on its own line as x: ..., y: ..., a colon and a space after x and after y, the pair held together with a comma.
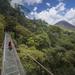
x: 35, y: 8
x: 60, y: 6
x: 54, y: 14
x: 51, y: 15
x: 29, y: 2
x: 70, y: 14
x: 48, y: 4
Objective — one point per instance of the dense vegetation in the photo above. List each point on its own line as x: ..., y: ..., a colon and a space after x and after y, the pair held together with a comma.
x: 50, y: 45
x: 1, y: 29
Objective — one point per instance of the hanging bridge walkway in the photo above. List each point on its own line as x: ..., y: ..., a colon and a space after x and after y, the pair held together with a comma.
x: 11, y: 62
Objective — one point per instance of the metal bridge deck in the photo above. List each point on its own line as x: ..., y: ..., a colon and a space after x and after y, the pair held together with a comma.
x: 11, y: 61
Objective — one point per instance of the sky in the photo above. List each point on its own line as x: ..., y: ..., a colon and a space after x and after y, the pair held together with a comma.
x: 50, y: 11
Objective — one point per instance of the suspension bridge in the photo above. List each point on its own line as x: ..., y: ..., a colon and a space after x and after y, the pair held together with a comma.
x: 11, y: 64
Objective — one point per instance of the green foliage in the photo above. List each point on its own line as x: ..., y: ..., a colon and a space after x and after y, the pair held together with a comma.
x: 22, y: 34
x: 42, y: 41
x: 22, y: 30
x: 1, y: 29
x: 28, y: 63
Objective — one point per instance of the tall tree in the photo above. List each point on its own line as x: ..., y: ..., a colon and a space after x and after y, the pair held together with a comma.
x: 4, y: 6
